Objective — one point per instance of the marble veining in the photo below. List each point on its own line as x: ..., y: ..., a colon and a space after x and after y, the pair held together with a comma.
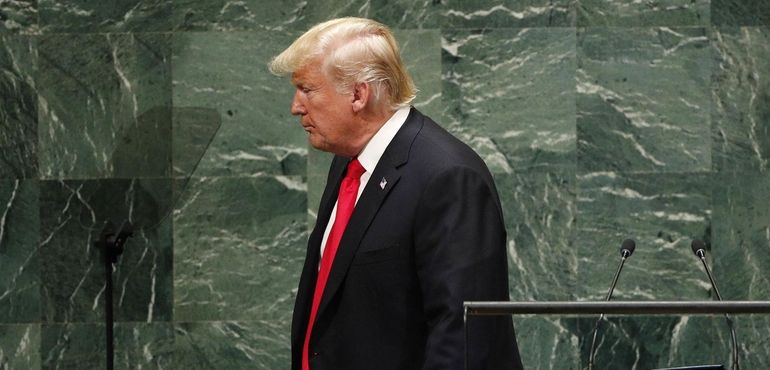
x: 227, y: 15
x: 234, y: 235
x: 540, y: 216
x: 98, y: 16
x: 18, y: 111
x: 82, y: 346
x: 740, y: 12
x: 741, y: 96
x: 490, y: 77
x: 662, y: 214
x: 636, y: 88
x: 738, y: 254
x: 20, y: 346
x: 19, y: 16
x: 73, y: 214
x: 218, y: 72
x: 451, y: 13
x: 100, y: 95
x: 632, y: 13
x: 231, y: 345
x: 19, y: 258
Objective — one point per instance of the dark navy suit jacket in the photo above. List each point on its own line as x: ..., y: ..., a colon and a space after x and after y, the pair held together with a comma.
x: 410, y: 255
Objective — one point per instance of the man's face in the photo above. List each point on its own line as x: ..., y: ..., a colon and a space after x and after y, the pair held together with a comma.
x: 326, y: 115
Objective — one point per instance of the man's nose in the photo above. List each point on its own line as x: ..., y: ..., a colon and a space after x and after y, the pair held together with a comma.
x: 297, y: 108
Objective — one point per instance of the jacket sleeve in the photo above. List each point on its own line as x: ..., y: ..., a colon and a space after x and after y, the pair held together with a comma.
x: 460, y: 256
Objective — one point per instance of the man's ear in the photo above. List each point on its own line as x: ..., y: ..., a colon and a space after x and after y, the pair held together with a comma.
x: 361, y: 94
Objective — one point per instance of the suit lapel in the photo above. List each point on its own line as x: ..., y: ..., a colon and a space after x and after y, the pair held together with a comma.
x: 388, y: 168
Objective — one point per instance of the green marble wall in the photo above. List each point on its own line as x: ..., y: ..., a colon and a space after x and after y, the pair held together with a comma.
x: 601, y: 120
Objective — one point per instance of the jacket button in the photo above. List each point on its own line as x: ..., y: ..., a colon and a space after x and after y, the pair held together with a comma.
x: 315, y: 354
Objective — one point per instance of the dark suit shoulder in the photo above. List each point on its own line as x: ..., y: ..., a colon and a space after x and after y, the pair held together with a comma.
x: 438, y: 150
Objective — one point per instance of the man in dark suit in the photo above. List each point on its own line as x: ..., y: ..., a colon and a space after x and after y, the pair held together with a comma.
x: 409, y: 225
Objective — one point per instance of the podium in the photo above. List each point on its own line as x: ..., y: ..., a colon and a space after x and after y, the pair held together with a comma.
x: 630, y: 308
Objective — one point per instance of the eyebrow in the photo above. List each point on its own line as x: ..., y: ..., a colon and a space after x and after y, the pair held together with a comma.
x: 303, y: 83
x: 298, y: 81
x: 301, y: 86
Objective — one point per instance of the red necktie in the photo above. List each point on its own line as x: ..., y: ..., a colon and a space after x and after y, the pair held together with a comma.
x: 346, y: 201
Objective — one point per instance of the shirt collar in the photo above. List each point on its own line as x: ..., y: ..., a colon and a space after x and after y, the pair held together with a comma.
x: 376, y: 146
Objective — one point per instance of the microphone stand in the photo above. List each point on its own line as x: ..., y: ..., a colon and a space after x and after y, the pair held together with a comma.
x: 624, y: 255
x: 111, y: 244
x: 702, y: 256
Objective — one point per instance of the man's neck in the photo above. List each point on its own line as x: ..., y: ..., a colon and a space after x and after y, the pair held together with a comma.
x: 373, y: 123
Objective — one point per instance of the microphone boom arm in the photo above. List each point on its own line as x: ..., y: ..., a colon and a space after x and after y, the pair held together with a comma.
x: 702, y: 256
x: 626, y: 249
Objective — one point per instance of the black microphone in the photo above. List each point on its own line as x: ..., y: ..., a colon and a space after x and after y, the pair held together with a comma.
x: 699, y: 248
x: 626, y: 249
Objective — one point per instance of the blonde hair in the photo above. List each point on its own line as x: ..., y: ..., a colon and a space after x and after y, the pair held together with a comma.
x: 352, y: 50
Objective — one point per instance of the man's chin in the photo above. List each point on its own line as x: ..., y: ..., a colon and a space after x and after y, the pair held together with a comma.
x: 317, y: 144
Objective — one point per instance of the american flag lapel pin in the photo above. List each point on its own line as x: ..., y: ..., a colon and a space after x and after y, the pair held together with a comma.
x: 383, y: 182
